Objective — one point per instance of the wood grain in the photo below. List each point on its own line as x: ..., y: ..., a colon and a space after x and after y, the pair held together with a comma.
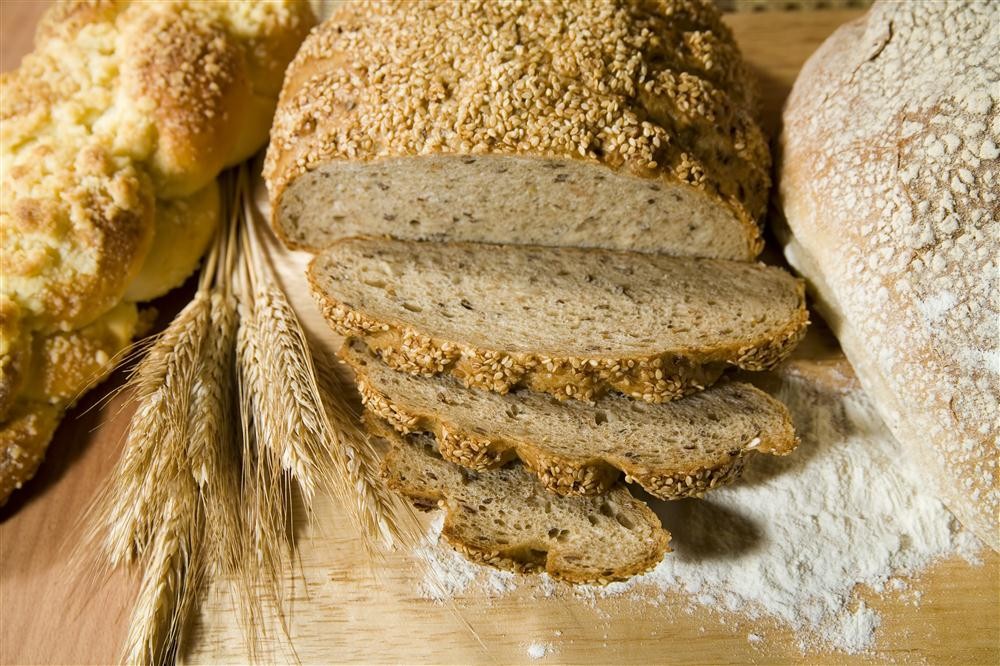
x: 347, y: 611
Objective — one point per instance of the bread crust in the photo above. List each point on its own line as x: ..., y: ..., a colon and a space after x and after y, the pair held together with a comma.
x: 657, y: 90
x: 525, y: 556
x: 61, y: 367
x: 122, y: 108
x: 888, y: 182
x: 654, y: 377
x: 562, y: 474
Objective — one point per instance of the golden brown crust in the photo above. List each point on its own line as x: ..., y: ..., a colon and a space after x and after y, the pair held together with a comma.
x: 656, y: 89
x: 183, y: 229
x: 23, y: 439
x: 116, y: 98
x: 524, y: 556
x: 75, y: 224
x: 563, y: 474
x: 120, y: 104
x: 63, y: 366
x: 653, y: 378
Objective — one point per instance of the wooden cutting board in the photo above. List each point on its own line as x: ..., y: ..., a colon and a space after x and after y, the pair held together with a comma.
x: 345, y: 610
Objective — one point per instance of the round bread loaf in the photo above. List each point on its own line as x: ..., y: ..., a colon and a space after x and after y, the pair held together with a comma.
x: 597, y: 123
x: 889, y: 182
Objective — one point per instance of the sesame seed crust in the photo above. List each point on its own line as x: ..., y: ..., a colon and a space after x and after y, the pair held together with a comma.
x: 562, y: 474
x: 654, y: 90
x: 653, y: 378
x: 577, y: 539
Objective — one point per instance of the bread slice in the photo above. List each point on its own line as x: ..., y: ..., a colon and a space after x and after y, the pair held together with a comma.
x: 622, y: 124
x: 567, y: 321
x: 506, y: 519
x: 673, y: 450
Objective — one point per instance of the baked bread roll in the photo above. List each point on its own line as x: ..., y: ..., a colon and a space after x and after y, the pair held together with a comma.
x: 598, y: 123
x: 889, y: 182
x: 112, y: 132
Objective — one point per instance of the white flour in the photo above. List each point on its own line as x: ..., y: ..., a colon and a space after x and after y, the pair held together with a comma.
x: 538, y: 650
x: 792, y: 539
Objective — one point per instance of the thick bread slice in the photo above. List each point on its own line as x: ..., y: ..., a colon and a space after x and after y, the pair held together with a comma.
x: 506, y: 519
x: 567, y: 321
x: 618, y: 124
x: 675, y: 449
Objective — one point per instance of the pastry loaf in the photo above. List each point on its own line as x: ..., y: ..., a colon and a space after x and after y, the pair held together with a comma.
x: 112, y: 132
x: 674, y: 449
x: 567, y: 321
x: 890, y: 183
x: 594, y: 123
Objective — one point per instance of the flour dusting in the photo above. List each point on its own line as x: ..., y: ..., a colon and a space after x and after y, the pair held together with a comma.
x: 792, y: 539
x: 538, y: 650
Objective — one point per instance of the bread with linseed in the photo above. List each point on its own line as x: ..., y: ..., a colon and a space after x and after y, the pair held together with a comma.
x: 572, y: 322
x: 504, y: 518
x: 674, y: 449
x: 592, y: 123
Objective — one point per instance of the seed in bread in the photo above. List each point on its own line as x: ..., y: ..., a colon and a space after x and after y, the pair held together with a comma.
x: 567, y: 321
x: 504, y: 518
x: 589, y: 123
x: 673, y: 450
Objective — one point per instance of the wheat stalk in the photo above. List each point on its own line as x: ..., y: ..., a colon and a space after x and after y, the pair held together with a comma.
x: 198, y: 491
x: 172, y: 573
x: 313, y: 430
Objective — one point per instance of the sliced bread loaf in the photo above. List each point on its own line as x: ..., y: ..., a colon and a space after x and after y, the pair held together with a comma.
x: 675, y: 449
x: 616, y: 124
x: 506, y: 519
x: 567, y: 321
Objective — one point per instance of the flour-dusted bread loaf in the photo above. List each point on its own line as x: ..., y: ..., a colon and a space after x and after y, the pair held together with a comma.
x: 112, y: 132
x: 890, y: 183
x: 568, y: 321
x: 673, y: 450
x: 506, y: 519
x: 593, y: 123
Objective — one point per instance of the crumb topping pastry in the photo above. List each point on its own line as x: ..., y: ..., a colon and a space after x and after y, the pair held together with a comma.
x: 112, y: 128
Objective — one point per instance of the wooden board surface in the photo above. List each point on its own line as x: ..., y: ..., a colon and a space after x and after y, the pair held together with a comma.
x: 346, y: 611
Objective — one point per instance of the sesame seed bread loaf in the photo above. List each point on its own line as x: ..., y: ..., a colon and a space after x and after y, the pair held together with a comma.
x: 889, y: 182
x: 673, y: 450
x: 112, y: 132
x: 568, y: 321
x: 506, y: 519
x: 591, y: 123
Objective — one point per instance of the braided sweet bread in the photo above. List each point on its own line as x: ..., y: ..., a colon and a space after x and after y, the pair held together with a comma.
x: 113, y: 131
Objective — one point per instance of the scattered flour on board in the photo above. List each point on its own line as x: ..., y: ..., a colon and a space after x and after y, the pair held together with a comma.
x: 790, y: 541
x: 538, y: 650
